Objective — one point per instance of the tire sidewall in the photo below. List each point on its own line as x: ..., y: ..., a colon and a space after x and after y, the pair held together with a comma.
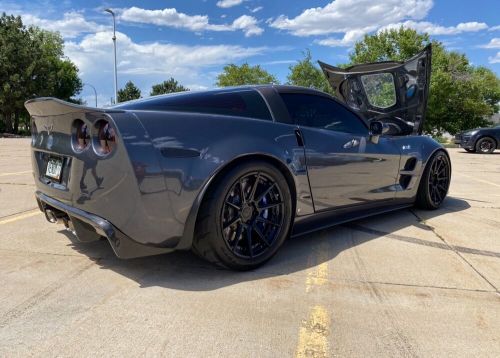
x: 426, y: 178
x: 217, y: 241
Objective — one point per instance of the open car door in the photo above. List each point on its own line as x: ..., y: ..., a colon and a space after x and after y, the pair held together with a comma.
x: 392, y: 92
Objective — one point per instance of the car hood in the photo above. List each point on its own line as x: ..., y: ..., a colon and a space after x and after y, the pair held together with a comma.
x: 385, y: 89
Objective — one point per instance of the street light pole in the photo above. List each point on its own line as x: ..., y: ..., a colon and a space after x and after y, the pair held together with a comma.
x: 114, y: 48
x: 95, y: 92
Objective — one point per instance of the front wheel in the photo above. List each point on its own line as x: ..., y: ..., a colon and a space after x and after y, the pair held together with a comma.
x: 245, y: 217
x: 485, y: 145
x: 435, y: 182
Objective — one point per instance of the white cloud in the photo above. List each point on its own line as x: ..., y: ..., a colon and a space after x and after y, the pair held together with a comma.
x: 494, y: 43
x: 341, y: 16
x: 71, y: 25
x: 434, y: 29
x: 495, y: 59
x: 172, y: 18
x: 349, y: 38
x: 151, y: 58
x: 228, y: 3
x: 494, y: 28
x: 258, y: 8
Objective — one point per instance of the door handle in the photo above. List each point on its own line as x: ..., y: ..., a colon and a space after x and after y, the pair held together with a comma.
x: 351, y: 144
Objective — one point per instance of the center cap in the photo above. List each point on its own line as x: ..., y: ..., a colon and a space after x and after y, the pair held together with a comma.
x: 246, y: 213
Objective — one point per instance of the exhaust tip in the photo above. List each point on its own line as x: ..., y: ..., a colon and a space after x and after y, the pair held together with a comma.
x: 50, y: 216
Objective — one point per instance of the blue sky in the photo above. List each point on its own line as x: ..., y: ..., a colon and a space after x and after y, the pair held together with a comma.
x: 192, y: 40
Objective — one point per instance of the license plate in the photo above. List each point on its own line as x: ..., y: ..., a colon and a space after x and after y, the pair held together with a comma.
x: 54, y: 168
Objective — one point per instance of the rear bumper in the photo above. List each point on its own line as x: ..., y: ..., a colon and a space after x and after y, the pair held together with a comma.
x: 89, y: 227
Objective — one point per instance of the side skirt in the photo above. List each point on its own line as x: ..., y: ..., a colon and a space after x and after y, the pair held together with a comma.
x: 325, y: 219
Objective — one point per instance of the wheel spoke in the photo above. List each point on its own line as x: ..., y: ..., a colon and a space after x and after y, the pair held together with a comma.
x: 254, y: 188
x: 232, y: 222
x: 249, y: 241
x: 266, y: 221
x: 261, y: 196
x: 237, y: 237
x: 233, y: 205
x: 242, y: 192
x: 269, y: 206
x: 261, y: 235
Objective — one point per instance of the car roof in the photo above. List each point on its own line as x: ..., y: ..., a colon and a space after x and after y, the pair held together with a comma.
x: 278, y: 88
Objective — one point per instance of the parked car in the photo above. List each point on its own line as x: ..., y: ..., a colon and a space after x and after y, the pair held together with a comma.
x: 231, y: 173
x: 480, y: 140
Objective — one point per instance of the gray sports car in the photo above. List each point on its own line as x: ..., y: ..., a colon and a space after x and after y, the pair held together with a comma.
x: 231, y: 173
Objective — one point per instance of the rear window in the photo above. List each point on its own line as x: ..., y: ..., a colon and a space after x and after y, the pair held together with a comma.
x: 243, y: 103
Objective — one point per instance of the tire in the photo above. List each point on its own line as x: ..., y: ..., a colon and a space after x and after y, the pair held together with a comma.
x: 242, y: 225
x: 485, y: 145
x: 470, y: 150
x: 435, y: 182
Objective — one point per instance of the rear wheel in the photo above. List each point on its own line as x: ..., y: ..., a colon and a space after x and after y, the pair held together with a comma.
x: 245, y: 218
x: 485, y: 145
x: 435, y: 182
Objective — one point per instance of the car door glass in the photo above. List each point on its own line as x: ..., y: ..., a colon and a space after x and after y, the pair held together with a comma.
x: 379, y: 88
x: 322, y: 112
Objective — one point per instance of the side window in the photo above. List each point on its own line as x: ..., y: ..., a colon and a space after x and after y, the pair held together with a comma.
x: 379, y: 88
x: 321, y: 112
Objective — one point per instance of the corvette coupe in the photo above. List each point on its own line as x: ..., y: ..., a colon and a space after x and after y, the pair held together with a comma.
x: 231, y: 173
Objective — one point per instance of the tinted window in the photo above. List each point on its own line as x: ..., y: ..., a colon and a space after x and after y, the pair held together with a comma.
x: 244, y: 103
x: 321, y: 112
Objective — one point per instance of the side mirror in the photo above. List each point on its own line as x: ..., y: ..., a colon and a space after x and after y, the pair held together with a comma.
x: 376, y: 130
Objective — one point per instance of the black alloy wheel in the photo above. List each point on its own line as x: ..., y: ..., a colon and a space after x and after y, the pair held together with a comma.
x: 245, y: 217
x: 435, y: 182
x: 252, y: 215
x: 485, y: 145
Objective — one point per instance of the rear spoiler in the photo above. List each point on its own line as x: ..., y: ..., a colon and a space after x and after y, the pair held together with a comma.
x: 49, y: 106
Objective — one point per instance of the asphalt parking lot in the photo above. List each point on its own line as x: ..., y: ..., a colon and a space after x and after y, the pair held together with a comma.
x: 409, y: 283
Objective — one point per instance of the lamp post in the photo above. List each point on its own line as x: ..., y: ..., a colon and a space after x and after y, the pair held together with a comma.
x: 114, y: 48
x: 95, y: 92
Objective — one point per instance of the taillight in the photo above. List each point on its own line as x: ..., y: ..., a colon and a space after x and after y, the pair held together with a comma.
x: 81, y: 135
x: 106, y: 137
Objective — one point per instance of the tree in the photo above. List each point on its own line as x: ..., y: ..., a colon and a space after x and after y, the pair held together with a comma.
x: 461, y: 96
x: 32, y: 64
x: 233, y: 75
x: 129, y: 92
x: 169, y: 86
x: 305, y: 73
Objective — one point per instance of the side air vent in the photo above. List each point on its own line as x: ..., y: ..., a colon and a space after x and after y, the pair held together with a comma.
x: 410, y: 164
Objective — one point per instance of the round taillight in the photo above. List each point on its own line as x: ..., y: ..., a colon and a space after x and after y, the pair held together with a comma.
x: 81, y: 135
x: 106, y: 137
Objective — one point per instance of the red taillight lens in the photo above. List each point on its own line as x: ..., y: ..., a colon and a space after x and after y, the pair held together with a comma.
x: 106, y: 137
x: 81, y: 135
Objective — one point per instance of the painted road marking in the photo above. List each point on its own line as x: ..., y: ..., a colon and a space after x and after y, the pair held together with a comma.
x: 479, y: 180
x: 20, y: 216
x: 317, y: 277
x: 313, y: 335
x: 16, y: 173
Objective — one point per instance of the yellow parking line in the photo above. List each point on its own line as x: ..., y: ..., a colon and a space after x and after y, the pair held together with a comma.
x: 16, y: 173
x: 20, y: 216
x: 479, y: 180
x: 313, y: 335
x: 317, y: 277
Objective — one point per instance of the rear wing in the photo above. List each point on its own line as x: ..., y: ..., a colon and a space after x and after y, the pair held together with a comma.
x: 49, y: 106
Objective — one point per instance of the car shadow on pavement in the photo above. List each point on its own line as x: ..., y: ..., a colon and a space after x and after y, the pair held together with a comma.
x: 184, y: 271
